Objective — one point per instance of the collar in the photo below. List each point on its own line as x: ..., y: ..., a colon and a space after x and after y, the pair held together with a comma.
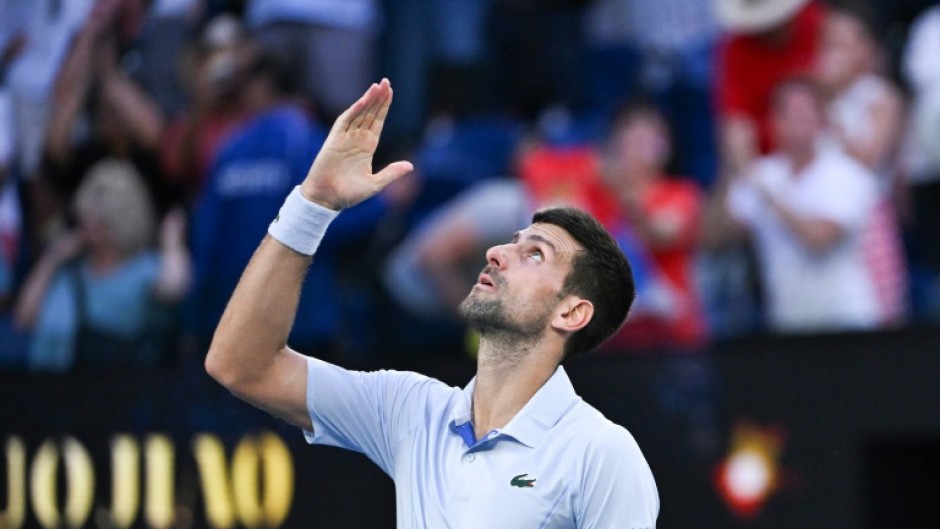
x: 539, y: 415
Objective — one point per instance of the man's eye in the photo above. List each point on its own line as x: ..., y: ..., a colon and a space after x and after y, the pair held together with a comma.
x: 537, y: 255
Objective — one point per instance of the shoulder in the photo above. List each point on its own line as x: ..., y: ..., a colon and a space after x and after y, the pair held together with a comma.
x: 600, y: 440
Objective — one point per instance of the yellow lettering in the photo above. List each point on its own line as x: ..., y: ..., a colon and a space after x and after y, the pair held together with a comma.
x: 80, y: 479
x: 125, y: 481
x: 80, y: 476
x: 278, y: 479
x: 158, y: 507
x: 271, y: 455
x: 15, y: 513
x: 210, y: 459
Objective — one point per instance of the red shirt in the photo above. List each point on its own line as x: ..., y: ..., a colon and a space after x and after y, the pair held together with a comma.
x: 567, y: 176
x: 749, y: 68
x: 675, y: 201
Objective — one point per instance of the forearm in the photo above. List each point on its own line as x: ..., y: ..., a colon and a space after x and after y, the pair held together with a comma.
x: 718, y: 227
x: 137, y: 111
x: 254, y: 327
x: 816, y: 234
x: 34, y: 292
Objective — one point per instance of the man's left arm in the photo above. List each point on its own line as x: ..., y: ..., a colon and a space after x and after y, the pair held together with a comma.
x: 617, y: 490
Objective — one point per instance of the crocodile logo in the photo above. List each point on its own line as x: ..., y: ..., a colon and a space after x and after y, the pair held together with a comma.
x: 517, y: 481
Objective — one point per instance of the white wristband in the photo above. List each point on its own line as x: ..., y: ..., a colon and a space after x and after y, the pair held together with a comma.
x: 301, y: 224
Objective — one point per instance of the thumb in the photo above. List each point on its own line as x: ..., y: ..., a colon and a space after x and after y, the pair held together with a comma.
x: 392, y: 172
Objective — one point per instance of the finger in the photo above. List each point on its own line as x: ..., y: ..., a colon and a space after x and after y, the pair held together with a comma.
x: 381, y: 107
x: 344, y: 121
x: 381, y: 96
x: 370, y: 96
x: 392, y: 172
x: 379, y: 122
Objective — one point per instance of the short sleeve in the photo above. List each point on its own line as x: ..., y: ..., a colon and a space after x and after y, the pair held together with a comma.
x: 617, y: 489
x: 368, y: 412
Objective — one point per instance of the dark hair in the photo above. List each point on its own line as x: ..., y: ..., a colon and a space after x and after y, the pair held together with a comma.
x: 281, y: 76
x: 599, y: 273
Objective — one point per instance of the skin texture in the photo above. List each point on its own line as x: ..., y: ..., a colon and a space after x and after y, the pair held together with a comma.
x: 522, y: 315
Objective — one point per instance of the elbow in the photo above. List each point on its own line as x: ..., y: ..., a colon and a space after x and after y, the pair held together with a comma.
x: 221, y: 370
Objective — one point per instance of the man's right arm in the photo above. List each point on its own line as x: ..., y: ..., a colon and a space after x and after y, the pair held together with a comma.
x: 249, y: 354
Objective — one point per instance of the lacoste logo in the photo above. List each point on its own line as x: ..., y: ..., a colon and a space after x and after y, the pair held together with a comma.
x: 522, y: 483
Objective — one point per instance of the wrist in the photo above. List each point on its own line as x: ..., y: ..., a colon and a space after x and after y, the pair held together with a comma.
x: 301, y: 223
x: 311, y: 194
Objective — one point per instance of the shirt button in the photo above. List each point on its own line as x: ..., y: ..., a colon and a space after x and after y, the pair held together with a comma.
x: 469, y: 457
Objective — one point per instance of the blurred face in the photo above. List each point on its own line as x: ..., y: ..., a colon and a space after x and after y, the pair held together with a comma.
x: 796, y: 119
x: 845, y: 51
x: 521, y: 285
x: 640, y: 147
x: 93, y: 228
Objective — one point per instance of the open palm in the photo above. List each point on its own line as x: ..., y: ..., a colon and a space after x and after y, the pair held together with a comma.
x: 341, y: 175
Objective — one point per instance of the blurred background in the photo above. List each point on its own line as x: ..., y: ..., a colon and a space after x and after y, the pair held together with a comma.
x: 770, y: 167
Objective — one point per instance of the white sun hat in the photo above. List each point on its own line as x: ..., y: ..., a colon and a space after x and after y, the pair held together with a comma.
x: 754, y: 16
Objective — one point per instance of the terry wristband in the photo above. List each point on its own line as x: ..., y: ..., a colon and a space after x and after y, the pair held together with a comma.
x: 301, y: 224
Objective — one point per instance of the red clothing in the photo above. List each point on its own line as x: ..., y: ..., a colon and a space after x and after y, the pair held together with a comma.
x: 567, y: 176
x: 749, y: 68
x: 676, y: 201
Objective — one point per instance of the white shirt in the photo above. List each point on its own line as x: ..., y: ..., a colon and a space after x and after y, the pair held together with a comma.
x: 558, y: 464
x: 808, y: 290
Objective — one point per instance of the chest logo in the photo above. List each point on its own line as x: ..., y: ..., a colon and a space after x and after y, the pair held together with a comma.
x: 518, y: 481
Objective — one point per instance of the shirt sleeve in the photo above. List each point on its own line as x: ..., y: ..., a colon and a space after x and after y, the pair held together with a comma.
x: 847, y: 196
x: 368, y: 412
x: 618, y: 489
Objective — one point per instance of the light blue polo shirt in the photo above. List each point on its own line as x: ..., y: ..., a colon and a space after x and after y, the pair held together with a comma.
x: 558, y: 464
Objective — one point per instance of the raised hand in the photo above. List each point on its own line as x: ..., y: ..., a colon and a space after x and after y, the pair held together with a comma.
x: 341, y: 175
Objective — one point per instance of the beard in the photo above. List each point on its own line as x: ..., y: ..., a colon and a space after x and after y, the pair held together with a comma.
x: 491, y: 318
x: 484, y: 315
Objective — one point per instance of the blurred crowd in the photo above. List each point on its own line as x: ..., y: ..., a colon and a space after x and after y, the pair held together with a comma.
x: 767, y: 165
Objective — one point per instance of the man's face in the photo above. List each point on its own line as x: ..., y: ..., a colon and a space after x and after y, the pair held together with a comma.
x: 522, y: 282
x: 797, y: 118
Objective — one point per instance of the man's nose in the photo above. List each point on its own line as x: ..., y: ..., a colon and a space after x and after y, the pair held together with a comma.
x: 496, y: 257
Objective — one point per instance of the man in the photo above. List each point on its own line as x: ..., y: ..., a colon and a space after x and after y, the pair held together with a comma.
x: 516, y: 447
x: 809, y: 206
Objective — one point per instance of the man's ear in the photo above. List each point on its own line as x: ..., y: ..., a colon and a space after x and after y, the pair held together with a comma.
x: 573, y: 314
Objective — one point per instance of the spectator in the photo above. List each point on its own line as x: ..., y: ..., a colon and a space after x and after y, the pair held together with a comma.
x: 99, y: 296
x: 662, y: 212
x: 164, y: 35
x: 332, y: 41
x: 766, y: 41
x: 215, y: 76
x: 255, y: 168
x: 41, y: 33
x: 921, y: 161
x: 807, y: 207
x: 98, y: 112
x: 674, y: 64
x: 865, y: 112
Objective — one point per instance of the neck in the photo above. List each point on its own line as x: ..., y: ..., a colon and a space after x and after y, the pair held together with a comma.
x: 801, y: 157
x: 509, y: 373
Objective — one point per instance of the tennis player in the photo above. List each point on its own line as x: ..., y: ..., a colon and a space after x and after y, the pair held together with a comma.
x: 516, y: 447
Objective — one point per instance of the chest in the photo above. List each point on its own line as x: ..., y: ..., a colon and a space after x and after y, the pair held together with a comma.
x: 501, y: 483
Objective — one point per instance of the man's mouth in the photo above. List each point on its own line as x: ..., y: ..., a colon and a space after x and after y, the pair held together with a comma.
x: 486, y: 282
